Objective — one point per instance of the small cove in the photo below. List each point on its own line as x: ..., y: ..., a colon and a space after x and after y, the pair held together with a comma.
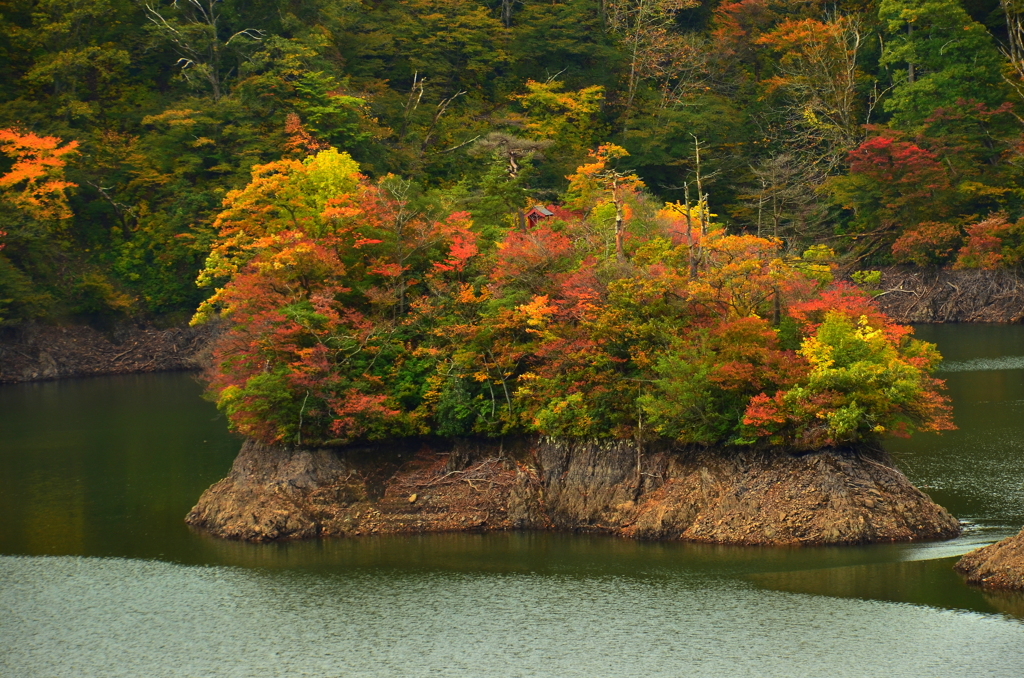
x: 100, y: 576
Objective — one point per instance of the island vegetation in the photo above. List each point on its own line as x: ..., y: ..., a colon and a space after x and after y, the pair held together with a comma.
x: 354, y: 316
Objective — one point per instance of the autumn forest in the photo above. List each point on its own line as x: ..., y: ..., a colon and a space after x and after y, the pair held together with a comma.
x: 643, y: 219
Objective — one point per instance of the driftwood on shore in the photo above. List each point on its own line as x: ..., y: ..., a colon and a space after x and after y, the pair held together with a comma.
x: 775, y: 498
x: 917, y: 295
x: 34, y: 352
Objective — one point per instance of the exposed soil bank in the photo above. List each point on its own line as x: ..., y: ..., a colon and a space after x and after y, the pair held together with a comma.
x: 35, y: 352
x: 999, y: 566
x: 694, y: 495
x: 915, y: 295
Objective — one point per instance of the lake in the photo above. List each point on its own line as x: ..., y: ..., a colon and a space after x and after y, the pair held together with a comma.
x: 99, y: 576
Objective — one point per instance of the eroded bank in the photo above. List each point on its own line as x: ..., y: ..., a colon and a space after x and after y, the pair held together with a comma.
x: 766, y: 498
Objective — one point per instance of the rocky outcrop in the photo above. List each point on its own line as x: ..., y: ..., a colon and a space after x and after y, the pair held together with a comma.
x: 34, y: 352
x: 835, y: 497
x: 917, y: 295
x: 999, y: 566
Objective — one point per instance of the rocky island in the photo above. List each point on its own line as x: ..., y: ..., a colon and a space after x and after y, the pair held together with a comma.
x: 672, y: 382
x: 833, y: 497
x: 999, y: 566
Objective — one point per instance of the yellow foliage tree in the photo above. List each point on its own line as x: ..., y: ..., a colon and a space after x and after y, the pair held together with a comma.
x: 598, y: 182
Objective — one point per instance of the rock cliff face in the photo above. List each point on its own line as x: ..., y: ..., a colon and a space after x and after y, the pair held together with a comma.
x: 999, y: 566
x: 695, y: 495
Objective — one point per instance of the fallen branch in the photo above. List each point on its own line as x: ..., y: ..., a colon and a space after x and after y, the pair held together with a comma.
x: 134, y: 346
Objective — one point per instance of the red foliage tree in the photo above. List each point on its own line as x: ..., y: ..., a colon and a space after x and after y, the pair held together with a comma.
x: 929, y: 243
x: 992, y: 243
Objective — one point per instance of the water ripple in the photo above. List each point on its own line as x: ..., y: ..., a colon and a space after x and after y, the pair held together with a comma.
x: 1006, y: 362
x: 84, y: 617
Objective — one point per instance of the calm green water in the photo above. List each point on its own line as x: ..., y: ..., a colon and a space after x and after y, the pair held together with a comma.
x: 100, y: 577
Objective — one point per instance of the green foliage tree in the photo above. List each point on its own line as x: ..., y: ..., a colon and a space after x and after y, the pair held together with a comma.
x: 941, y: 56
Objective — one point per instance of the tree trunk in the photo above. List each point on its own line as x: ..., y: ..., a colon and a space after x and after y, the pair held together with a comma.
x: 620, y: 254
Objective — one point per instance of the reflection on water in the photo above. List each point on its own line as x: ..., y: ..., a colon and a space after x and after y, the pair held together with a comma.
x: 562, y: 554
x: 976, y: 471
x: 107, y: 468
x: 927, y: 582
x: 1011, y: 604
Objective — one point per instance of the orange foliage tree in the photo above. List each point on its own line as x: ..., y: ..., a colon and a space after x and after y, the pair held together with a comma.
x: 35, y: 183
x: 318, y: 267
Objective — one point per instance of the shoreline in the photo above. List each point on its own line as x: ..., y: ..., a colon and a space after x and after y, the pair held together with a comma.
x: 836, y: 497
x: 36, y: 352
x: 917, y: 295
x: 996, y: 567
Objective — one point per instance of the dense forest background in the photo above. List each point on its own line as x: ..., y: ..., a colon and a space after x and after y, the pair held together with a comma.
x: 886, y: 131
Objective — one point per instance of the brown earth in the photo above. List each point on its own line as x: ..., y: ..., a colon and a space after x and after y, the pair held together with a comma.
x: 999, y: 566
x: 694, y: 495
x: 915, y: 295
x: 35, y: 352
